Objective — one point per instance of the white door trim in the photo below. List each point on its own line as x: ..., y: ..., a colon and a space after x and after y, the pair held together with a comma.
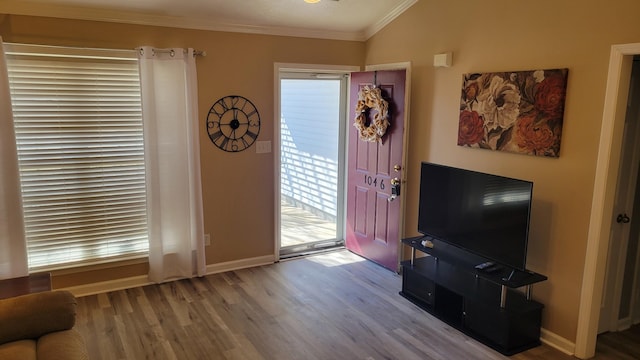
x: 620, y: 234
x: 603, y: 196
x: 405, y: 65
x: 279, y: 68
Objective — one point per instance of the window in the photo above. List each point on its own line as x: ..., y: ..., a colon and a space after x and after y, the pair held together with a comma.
x: 79, y: 135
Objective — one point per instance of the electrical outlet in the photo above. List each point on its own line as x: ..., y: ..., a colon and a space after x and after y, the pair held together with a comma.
x: 207, y: 239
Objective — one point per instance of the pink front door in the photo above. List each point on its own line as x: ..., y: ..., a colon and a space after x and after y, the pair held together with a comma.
x: 373, y: 215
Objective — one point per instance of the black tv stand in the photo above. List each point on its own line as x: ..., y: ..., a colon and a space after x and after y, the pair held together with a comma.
x: 508, y: 278
x: 485, y: 305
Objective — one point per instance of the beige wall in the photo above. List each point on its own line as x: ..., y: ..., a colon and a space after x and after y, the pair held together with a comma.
x: 237, y: 187
x: 498, y: 35
x: 491, y: 35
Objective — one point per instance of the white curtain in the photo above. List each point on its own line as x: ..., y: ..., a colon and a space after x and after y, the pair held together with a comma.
x: 13, y: 249
x: 170, y: 116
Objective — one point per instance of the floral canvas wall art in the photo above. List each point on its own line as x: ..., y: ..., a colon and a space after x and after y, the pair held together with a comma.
x: 519, y: 111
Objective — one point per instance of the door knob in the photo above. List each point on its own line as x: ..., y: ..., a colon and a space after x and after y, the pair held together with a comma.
x: 623, y: 219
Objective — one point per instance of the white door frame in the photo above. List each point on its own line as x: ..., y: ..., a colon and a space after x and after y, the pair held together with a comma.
x: 279, y: 68
x: 620, y: 234
x: 602, y: 203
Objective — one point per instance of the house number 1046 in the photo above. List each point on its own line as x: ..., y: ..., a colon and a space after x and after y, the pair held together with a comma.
x: 373, y: 181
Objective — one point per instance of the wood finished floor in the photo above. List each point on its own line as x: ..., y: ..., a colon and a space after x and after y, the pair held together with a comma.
x: 624, y: 345
x: 329, y: 306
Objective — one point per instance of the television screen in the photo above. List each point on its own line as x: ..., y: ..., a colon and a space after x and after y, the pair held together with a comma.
x: 485, y: 214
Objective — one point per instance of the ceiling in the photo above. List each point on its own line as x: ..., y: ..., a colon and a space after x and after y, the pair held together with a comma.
x: 331, y: 19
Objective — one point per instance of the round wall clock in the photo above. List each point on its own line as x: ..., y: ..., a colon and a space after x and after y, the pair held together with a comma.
x: 233, y: 123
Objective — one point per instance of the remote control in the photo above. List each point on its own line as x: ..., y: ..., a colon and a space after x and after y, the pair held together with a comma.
x: 484, y: 265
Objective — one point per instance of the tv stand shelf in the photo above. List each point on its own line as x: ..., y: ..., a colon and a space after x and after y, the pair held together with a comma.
x: 484, y: 305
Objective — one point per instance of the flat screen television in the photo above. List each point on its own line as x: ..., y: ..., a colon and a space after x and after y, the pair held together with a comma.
x: 485, y: 214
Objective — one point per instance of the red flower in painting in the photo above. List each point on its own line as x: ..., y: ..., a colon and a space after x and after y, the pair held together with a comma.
x: 470, y: 128
x: 533, y: 137
x: 549, y: 96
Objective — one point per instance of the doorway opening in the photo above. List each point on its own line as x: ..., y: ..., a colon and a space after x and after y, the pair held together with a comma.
x: 311, y: 158
x: 621, y: 300
x: 603, y: 207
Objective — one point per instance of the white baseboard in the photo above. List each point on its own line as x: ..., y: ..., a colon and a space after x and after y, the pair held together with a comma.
x: 111, y: 285
x: 240, y: 264
x: 142, y: 280
x: 625, y: 323
x: 557, y: 342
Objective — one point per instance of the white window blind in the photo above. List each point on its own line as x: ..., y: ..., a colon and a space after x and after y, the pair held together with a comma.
x: 78, y: 122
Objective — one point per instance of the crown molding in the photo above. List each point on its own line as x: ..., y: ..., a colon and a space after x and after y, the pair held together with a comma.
x: 18, y: 7
x: 392, y: 15
x: 35, y: 8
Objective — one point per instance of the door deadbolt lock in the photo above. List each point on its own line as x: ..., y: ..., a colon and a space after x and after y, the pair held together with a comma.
x: 397, y: 168
x: 395, y: 189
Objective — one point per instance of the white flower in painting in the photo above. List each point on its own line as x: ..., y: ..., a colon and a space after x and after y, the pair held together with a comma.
x: 538, y: 75
x: 499, y: 105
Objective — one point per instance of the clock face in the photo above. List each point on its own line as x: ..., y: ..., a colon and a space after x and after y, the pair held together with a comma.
x: 233, y: 123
